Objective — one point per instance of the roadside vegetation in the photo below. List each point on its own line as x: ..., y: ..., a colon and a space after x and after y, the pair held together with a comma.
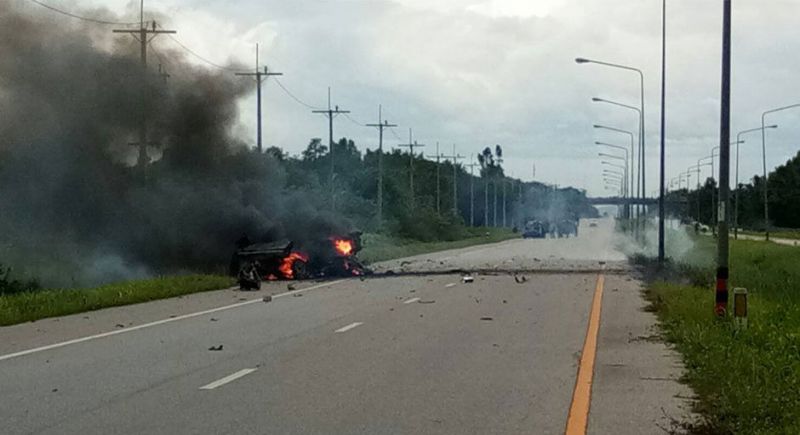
x: 777, y: 234
x: 25, y: 301
x: 378, y: 247
x: 35, y: 304
x: 747, y: 381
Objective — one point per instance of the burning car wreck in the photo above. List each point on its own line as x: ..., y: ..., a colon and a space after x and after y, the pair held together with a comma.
x: 334, y: 256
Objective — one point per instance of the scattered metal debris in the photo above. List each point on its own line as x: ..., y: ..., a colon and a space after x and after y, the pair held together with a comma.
x: 290, y: 287
x: 426, y: 302
x: 487, y: 318
x: 119, y: 325
x: 520, y: 279
x: 267, y: 298
x: 214, y: 319
x: 297, y: 295
x: 467, y: 279
x: 215, y: 348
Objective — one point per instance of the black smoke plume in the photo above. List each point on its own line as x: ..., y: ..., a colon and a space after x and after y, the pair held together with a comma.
x: 75, y: 210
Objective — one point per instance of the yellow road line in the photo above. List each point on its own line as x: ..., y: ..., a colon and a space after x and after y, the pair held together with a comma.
x: 582, y: 395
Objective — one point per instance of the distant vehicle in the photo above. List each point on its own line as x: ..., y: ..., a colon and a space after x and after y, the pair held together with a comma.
x: 593, y: 224
x: 567, y: 227
x: 534, y: 230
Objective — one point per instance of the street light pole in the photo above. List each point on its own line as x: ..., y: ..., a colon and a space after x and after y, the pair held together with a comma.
x: 661, y: 248
x: 764, y: 161
x: 736, y: 195
x: 638, y: 174
x: 618, y: 130
x: 642, y: 165
x: 630, y: 171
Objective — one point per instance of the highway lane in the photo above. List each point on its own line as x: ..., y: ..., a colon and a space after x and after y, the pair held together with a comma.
x: 405, y: 354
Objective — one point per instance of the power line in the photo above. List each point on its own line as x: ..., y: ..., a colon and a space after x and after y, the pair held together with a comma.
x: 209, y: 62
x: 360, y: 124
x: 80, y: 17
x: 290, y: 94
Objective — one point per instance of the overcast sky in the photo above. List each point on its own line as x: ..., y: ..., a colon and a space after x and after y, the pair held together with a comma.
x: 485, y: 72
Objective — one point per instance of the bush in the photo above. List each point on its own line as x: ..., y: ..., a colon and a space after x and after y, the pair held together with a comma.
x: 10, y: 286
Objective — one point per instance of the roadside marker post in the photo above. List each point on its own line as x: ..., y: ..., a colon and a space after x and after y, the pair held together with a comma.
x: 740, y: 307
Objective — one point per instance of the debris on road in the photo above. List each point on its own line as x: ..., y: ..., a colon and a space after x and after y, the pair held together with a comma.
x: 426, y: 302
x: 520, y: 279
x: 119, y: 325
x: 467, y: 279
x: 215, y: 348
x: 214, y: 319
x: 290, y: 287
x: 267, y: 298
x: 487, y: 318
x: 297, y: 295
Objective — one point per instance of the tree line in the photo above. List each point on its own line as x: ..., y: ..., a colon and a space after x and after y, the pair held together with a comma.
x: 783, y: 199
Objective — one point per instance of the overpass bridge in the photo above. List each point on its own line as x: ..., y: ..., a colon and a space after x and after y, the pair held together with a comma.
x: 618, y: 200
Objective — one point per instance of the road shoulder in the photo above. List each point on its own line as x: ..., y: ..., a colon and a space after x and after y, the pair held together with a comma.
x: 636, y: 382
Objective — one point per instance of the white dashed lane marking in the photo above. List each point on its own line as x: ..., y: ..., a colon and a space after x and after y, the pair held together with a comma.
x: 227, y: 379
x: 349, y: 327
x: 411, y: 301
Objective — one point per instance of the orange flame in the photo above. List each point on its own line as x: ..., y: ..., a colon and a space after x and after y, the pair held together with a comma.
x: 343, y: 246
x: 286, y: 265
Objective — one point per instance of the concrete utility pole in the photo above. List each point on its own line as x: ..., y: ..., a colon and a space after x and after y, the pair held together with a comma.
x: 455, y: 158
x: 260, y: 77
x: 661, y: 212
x: 471, y: 167
x: 438, y: 196
x: 721, y: 299
x: 382, y: 124
x: 162, y: 72
x: 143, y: 35
x: 330, y: 113
x: 486, y: 202
x: 411, y: 145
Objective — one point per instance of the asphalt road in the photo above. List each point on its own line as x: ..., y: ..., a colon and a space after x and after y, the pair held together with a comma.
x: 423, y: 353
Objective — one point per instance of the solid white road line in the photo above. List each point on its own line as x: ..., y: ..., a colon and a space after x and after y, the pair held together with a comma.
x: 349, y: 327
x: 411, y: 301
x: 158, y: 322
x: 450, y: 285
x: 227, y: 379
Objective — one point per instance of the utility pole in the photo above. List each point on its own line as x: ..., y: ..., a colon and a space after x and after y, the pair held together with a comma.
x: 330, y: 115
x: 499, y: 165
x: 504, y: 202
x: 411, y: 145
x: 455, y: 158
x: 721, y: 299
x: 143, y: 35
x: 260, y: 77
x: 471, y: 167
x: 382, y: 124
x: 438, y: 197
x: 162, y: 72
x: 661, y: 212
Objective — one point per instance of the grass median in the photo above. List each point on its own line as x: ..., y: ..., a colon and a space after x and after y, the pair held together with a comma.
x: 379, y: 247
x: 747, y: 381
x: 40, y: 304
x: 26, y: 306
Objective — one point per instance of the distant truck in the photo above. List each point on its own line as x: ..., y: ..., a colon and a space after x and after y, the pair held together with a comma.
x: 534, y: 230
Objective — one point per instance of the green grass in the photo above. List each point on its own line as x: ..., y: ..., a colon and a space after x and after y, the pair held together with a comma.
x: 747, y: 381
x: 778, y: 234
x: 379, y: 247
x: 39, y: 304
x: 29, y: 306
